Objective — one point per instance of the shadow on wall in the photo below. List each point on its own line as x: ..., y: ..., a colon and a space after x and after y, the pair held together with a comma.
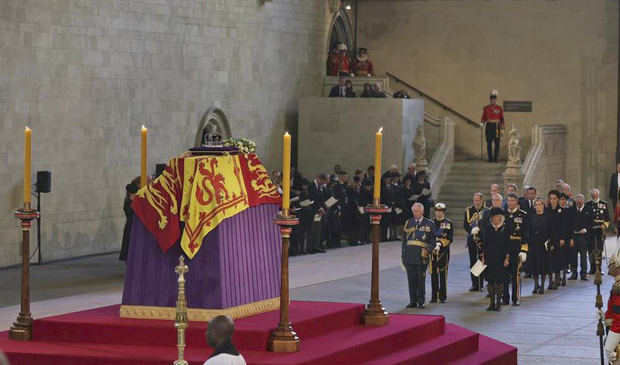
x: 106, y: 237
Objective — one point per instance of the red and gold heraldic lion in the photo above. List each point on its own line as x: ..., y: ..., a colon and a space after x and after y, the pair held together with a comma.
x: 201, y: 191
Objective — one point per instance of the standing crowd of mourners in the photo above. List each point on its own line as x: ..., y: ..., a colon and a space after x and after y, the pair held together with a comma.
x: 330, y: 207
x: 552, y: 239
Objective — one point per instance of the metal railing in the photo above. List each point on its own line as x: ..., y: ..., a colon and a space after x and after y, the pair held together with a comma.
x: 432, y: 99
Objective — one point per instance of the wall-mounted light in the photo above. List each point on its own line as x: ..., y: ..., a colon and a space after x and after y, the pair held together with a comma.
x: 348, y: 6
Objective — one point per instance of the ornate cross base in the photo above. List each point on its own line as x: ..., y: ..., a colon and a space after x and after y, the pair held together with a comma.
x: 283, y: 338
x: 374, y: 313
x: 22, y: 327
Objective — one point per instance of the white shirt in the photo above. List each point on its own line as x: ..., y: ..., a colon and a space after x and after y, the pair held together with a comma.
x: 226, y: 359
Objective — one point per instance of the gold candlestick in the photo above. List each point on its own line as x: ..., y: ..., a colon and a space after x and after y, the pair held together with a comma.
x: 180, y: 321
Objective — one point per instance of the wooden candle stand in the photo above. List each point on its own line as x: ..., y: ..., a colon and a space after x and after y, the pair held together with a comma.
x: 283, y: 338
x: 22, y: 327
x: 374, y: 313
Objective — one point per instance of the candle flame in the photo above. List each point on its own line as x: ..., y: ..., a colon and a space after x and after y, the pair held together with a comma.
x: 143, y: 127
x: 380, y: 130
x: 27, y: 129
x: 286, y: 133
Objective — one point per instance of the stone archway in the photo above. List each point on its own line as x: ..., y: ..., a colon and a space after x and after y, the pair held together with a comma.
x: 340, y: 31
x: 213, y: 118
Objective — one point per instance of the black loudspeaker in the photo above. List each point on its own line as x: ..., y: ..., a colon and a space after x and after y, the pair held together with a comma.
x: 159, y: 169
x: 44, y: 181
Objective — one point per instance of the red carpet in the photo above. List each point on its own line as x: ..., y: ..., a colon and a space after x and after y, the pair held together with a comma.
x: 330, y: 334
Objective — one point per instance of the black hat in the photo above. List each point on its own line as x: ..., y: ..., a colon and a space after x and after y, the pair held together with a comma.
x: 420, y: 173
x: 394, y: 174
x: 496, y: 211
x: 363, y: 50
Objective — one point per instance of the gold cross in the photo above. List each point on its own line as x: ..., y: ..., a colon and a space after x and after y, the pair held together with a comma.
x: 182, y: 268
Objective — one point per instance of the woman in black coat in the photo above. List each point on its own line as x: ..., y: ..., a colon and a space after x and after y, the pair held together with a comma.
x: 557, y: 236
x: 539, y: 227
x: 130, y: 191
x: 495, y: 255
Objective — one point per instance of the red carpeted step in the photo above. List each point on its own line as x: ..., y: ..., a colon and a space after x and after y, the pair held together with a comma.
x: 357, y: 344
x: 103, y: 325
x: 75, y: 353
x: 490, y: 352
x: 455, y: 343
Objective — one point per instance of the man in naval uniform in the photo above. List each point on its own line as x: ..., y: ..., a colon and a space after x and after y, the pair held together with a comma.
x: 472, y: 219
x: 493, y: 121
x: 516, y: 223
x: 418, y: 241
x: 440, y: 257
x: 600, y: 218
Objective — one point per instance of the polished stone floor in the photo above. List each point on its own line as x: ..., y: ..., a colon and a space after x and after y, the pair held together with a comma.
x: 555, y: 328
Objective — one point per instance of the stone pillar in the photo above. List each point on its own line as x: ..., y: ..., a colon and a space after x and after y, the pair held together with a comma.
x: 513, y: 173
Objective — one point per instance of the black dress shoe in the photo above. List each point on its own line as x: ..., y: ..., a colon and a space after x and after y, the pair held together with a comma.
x: 433, y: 300
x: 491, y: 307
x: 573, y: 277
x: 583, y: 278
x: 421, y: 306
x: 541, y: 290
x: 498, y: 308
x: 321, y: 250
x: 473, y: 288
x: 412, y: 305
x: 591, y: 272
x: 443, y: 301
x: 506, y: 301
x: 515, y: 304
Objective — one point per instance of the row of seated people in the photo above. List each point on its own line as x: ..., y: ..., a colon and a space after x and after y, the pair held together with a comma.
x: 344, y: 89
x: 331, y: 207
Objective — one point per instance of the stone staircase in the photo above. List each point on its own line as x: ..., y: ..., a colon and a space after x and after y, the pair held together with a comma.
x: 463, y: 180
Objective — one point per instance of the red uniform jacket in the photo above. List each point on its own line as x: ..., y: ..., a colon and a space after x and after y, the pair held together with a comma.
x: 613, y: 311
x: 363, y: 68
x: 494, y: 114
x: 340, y: 63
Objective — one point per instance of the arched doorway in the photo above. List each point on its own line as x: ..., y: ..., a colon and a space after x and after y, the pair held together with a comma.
x: 214, y: 119
x: 341, y: 32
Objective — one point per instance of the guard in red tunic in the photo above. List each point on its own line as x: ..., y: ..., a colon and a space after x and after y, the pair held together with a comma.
x: 332, y: 62
x: 493, y: 120
x: 341, y: 64
x: 612, y: 315
x: 362, y: 66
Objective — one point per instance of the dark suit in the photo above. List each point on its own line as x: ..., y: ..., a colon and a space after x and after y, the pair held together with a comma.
x: 335, y: 92
x: 613, y: 190
x: 318, y: 196
x: 583, y: 219
x: 418, y: 242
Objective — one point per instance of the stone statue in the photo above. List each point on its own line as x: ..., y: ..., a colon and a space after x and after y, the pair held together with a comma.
x: 514, y: 149
x: 419, y: 148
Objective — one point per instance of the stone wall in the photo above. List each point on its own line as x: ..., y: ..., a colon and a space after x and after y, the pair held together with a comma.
x: 561, y: 55
x: 84, y: 75
x: 546, y: 161
x: 342, y: 130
